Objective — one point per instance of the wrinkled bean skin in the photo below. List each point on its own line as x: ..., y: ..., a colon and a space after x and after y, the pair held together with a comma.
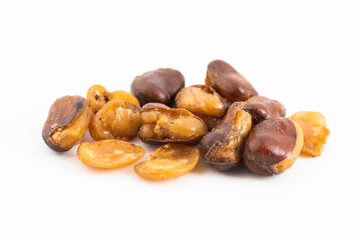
x: 118, y: 119
x: 221, y: 148
x: 159, y: 86
x: 169, y: 161
x: 67, y: 122
x: 162, y: 124
x: 228, y: 82
x: 273, y: 146
x: 262, y: 108
x: 97, y: 96
x: 210, y: 121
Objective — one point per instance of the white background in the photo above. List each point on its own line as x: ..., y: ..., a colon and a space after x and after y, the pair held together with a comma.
x: 305, y: 54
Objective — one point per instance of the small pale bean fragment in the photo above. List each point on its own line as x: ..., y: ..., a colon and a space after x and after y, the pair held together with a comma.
x: 315, y: 131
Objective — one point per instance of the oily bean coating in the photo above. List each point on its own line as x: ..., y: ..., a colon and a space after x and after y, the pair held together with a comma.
x: 169, y: 161
x: 228, y: 82
x: 315, y: 131
x: 162, y: 124
x: 201, y: 100
x: 262, y: 108
x: 118, y: 119
x: 97, y: 96
x: 110, y: 153
x: 67, y: 122
x: 221, y: 148
x: 159, y: 86
x: 272, y: 146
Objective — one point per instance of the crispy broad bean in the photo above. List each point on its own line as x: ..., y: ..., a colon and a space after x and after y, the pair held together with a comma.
x: 315, y: 131
x: 67, y: 122
x: 228, y: 82
x: 169, y: 161
x: 164, y: 124
x: 273, y: 146
x: 118, y: 119
x: 97, y: 96
x: 110, y: 153
x: 262, y: 108
x: 203, y: 101
x: 221, y: 148
x: 159, y: 86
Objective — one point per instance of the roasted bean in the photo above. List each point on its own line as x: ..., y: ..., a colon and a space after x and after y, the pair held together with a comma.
x: 169, y: 161
x: 118, y: 119
x: 203, y: 101
x: 159, y: 86
x: 221, y: 148
x: 109, y: 153
x: 97, y: 96
x: 164, y: 124
x: 228, y: 82
x: 262, y: 108
x: 315, y: 131
x: 67, y: 122
x: 273, y: 146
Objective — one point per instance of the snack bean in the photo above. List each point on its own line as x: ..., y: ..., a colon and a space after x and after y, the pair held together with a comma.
x: 273, y: 146
x: 221, y: 148
x: 159, y: 86
x: 315, y: 131
x: 67, y: 122
x: 110, y: 153
x: 262, y: 108
x: 169, y: 161
x: 228, y: 82
x: 118, y: 119
x: 97, y: 96
x: 162, y: 124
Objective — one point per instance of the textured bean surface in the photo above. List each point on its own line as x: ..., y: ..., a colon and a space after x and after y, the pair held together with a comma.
x: 67, y: 122
x: 118, y: 119
x: 315, y: 131
x: 169, y: 161
x: 202, y: 100
x: 163, y: 124
x: 109, y: 153
x: 221, y: 148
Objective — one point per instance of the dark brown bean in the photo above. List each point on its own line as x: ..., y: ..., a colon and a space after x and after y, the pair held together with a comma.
x: 159, y: 86
x: 228, y: 82
x: 221, y: 148
x: 272, y: 146
x: 67, y: 122
x: 262, y: 108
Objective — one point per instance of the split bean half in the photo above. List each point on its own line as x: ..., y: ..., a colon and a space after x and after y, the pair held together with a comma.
x: 169, y: 161
x: 109, y: 153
